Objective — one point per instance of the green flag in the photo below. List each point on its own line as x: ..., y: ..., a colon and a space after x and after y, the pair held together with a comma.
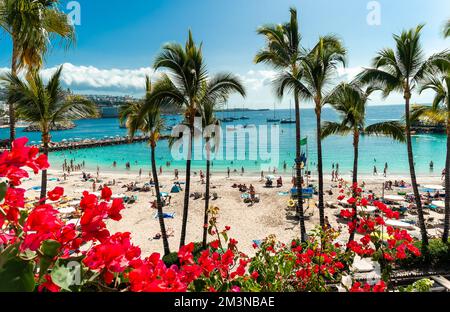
x: 304, y: 141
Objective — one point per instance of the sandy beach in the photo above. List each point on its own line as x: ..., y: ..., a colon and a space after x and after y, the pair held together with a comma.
x: 248, y: 222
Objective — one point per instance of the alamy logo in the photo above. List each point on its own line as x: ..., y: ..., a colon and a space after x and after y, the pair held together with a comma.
x: 374, y: 16
x: 74, y: 13
x: 233, y: 143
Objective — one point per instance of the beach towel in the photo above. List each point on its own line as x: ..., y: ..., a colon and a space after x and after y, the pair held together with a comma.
x: 166, y: 215
x: 283, y: 193
x: 257, y: 242
x: 175, y: 189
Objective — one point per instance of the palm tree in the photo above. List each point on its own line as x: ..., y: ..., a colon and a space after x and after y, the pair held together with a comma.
x: 184, y: 87
x: 208, y: 120
x: 152, y: 124
x: 350, y: 102
x: 32, y: 24
x: 283, y: 52
x: 447, y: 29
x: 46, y: 105
x: 439, y: 112
x: 318, y: 67
x: 401, y: 70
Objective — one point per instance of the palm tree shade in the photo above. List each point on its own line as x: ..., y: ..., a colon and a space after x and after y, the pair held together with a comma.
x: 350, y: 102
x: 32, y: 24
x: 185, y: 88
x: 401, y: 70
x: 45, y: 105
x: 283, y: 52
x: 151, y: 124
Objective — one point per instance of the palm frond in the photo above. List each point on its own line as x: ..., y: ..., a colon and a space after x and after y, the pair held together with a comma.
x: 392, y: 129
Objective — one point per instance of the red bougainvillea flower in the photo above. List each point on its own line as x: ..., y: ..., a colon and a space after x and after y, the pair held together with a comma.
x: 113, y: 255
x: 106, y: 193
x: 56, y: 193
x: 42, y: 224
x: 48, y: 285
x: 11, y: 162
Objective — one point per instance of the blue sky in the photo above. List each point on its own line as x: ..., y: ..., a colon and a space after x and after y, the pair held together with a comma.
x: 117, y: 40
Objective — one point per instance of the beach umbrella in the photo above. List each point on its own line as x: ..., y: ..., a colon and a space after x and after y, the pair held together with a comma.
x: 438, y: 203
x: 399, y: 224
x: 434, y: 187
x: 394, y: 198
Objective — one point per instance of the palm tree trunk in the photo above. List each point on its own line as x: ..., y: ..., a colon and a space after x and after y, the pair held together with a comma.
x: 320, y: 167
x: 355, y: 177
x: 205, y: 219
x: 159, y: 203
x: 188, y: 184
x: 45, y: 141
x: 447, y: 183
x: 412, y: 170
x: 298, y: 167
x: 12, y: 113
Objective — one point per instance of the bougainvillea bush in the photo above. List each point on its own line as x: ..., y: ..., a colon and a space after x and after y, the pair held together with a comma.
x: 41, y: 252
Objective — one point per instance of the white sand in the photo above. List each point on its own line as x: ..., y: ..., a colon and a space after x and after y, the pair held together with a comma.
x: 270, y: 216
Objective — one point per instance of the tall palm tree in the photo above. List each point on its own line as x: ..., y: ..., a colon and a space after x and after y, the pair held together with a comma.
x: 151, y: 124
x: 401, y: 70
x: 32, y: 24
x: 439, y: 112
x: 184, y: 87
x: 208, y: 120
x: 283, y: 52
x: 350, y: 102
x: 318, y: 68
x: 45, y: 105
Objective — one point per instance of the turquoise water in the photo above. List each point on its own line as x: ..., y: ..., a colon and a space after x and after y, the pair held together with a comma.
x: 373, y: 150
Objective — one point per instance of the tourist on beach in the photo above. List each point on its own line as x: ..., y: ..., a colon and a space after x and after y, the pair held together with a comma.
x: 140, y: 172
x: 431, y: 165
x: 443, y: 174
x: 284, y: 166
x: 228, y: 172
x: 385, y: 170
x: 176, y: 174
x: 242, y: 170
x: 160, y: 170
x: 375, y: 170
x: 332, y: 175
x: 94, y: 186
x: 262, y: 175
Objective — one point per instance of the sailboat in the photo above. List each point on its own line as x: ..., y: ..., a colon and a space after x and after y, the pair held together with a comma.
x: 288, y: 121
x: 227, y: 119
x: 274, y: 119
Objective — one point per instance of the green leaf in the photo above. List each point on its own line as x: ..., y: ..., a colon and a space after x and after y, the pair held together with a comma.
x: 17, y: 276
x: 3, y: 188
x: 64, y: 276
x: 50, y: 248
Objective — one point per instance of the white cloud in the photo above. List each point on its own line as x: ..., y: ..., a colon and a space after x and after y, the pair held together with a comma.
x: 258, y: 83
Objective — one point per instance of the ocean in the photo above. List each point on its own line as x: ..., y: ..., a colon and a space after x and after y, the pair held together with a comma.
x: 252, y: 154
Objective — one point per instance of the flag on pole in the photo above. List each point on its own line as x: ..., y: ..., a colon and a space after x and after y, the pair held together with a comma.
x: 304, y: 141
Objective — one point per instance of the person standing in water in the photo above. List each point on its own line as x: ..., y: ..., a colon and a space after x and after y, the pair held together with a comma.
x: 431, y: 166
x: 385, y: 170
x: 375, y: 170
